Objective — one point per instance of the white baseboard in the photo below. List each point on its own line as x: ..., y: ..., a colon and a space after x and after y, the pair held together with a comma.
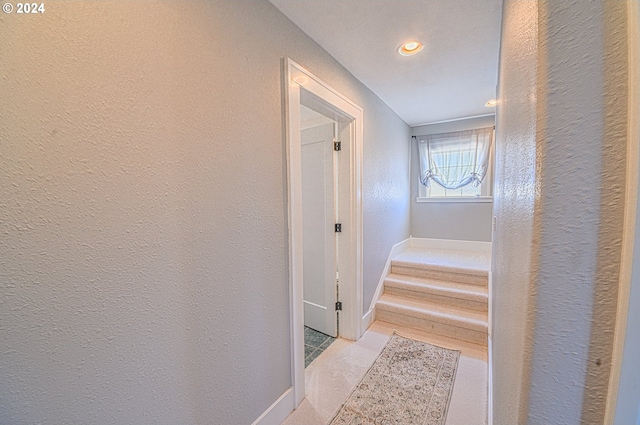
x: 450, y: 244
x: 489, y: 386
x: 395, y: 250
x: 278, y: 411
x: 490, y: 304
x: 368, y: 319
x: 489, y: 353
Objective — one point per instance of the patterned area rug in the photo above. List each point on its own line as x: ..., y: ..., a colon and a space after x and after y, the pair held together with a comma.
x: 410, y: 383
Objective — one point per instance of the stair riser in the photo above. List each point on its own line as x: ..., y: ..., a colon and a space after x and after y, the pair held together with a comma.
x: 441, y: 299
x: 440, y: 275
x: 478, y: 325
x: 431, y: 326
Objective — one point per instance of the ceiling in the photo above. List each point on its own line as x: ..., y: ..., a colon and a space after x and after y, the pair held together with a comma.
x: 453, y: 76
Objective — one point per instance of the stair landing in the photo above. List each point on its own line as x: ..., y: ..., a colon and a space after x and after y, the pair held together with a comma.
x: 446, y: 258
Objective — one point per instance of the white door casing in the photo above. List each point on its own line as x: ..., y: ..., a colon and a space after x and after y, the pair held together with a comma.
x: 301, y: 86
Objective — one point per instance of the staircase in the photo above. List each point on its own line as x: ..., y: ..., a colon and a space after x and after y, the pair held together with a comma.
x: 443, y: 292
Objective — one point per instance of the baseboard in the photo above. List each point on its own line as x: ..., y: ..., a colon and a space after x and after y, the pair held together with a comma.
x: 395, y: 250
x: 489, y: 385
x: 489, y: 353
x: 368, y: 319
x: 490, y: 304
x: 450, y: 244
x: 278, y: 411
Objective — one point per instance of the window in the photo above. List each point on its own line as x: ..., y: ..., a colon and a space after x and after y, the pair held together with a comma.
x: 456, y: 166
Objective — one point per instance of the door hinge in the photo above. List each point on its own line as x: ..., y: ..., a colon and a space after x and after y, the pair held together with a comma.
x: 337, y: 146
x: 338, y: 227
x: 338, y: 306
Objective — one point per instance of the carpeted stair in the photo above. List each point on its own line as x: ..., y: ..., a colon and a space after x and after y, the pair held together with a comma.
x: 441, y: 292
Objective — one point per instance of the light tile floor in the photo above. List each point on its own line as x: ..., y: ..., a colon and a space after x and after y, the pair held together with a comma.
x: 335, y: 373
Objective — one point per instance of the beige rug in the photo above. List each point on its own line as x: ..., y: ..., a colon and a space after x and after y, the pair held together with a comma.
x: 410, y: 383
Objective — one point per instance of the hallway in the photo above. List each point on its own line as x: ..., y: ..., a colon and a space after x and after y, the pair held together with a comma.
x: 334, y: 374
x: 147, y: 274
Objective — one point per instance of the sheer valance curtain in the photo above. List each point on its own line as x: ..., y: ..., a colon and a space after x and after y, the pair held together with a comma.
x: 454, y: 160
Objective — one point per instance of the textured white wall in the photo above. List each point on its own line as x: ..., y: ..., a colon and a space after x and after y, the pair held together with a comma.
x: 513, y: 203
x: 143, y: 257
x: 555, y: 302
x: 385, y: 190
x: 467, y: 221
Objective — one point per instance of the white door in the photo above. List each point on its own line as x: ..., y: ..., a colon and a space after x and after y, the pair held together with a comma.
x: 318, y: 224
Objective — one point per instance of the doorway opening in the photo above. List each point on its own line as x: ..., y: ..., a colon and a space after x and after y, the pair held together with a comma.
x: 320, y: 164
x: 338, y: 259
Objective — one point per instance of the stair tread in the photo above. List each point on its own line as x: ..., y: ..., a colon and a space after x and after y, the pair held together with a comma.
x: 476, y: 263
x: 440, y: 267
x: 439, y: 285
x: 470, y: 317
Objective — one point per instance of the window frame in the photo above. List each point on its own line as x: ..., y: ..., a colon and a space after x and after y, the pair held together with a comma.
x: 486, y: 187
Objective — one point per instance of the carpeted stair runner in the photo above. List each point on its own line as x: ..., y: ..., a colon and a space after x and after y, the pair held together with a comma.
x: 440, y: 292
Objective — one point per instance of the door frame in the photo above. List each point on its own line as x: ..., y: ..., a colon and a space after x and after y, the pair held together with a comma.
x: 296, y: 80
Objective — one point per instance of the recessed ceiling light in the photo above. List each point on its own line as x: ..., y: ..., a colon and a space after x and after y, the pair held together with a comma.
x: 491, y: 103
x: 410, y: 48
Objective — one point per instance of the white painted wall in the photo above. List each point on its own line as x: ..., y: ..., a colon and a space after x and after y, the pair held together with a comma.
x: 385, y: 189
x: 467, y: 221
x: 557, y: 246
x: 143, y: 257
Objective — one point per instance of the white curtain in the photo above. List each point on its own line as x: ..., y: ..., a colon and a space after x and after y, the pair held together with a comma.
x: 454, y: 160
